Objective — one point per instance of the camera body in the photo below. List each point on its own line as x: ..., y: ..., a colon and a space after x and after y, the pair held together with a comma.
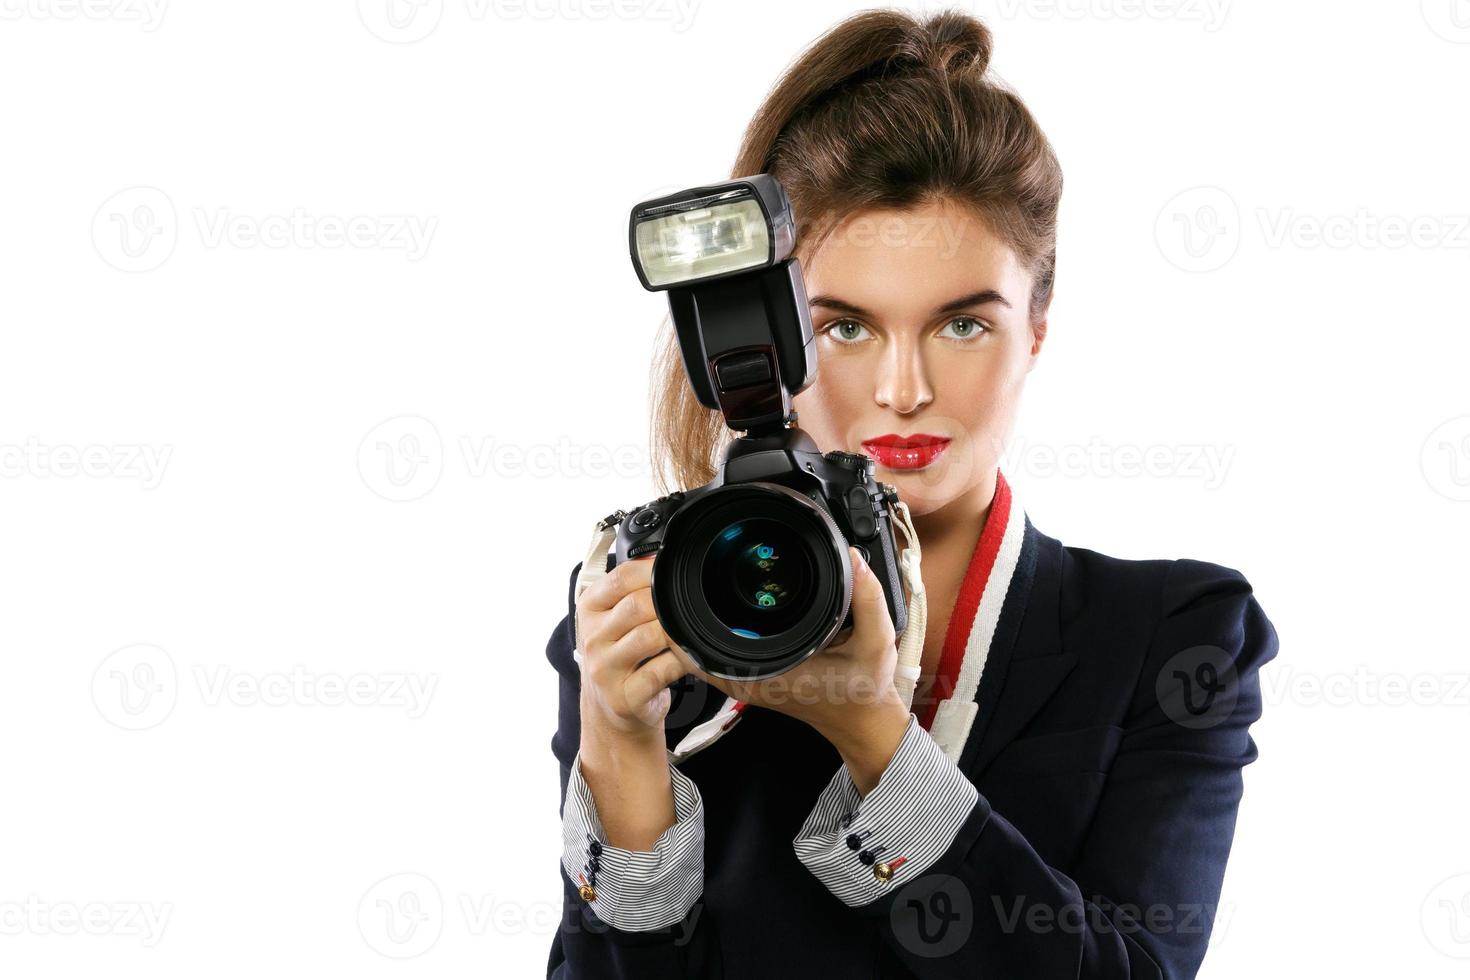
x: 821, y: 502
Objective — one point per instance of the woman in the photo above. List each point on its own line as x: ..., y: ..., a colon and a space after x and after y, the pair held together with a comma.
x: 1061, y: 798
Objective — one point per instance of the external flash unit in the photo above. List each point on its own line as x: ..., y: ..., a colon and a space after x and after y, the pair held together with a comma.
x: 723, y: 253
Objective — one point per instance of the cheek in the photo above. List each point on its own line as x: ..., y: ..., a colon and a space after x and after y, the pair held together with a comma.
x: 972, y: 387
x: 832, y: 402
x: 815, y: 416
x: 981, y: 395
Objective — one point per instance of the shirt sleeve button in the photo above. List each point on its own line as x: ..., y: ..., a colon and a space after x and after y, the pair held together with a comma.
x: 884, y: 870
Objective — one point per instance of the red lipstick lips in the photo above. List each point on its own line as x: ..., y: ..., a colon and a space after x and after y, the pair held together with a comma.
x: 906, y: 452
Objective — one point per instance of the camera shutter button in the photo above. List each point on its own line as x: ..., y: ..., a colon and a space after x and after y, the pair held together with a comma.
x: 645, y: 518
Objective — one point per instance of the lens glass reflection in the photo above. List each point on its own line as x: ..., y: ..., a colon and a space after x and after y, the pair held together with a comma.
x: 757, y: 577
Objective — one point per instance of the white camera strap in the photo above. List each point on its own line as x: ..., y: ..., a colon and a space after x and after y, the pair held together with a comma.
x: 910, y: 644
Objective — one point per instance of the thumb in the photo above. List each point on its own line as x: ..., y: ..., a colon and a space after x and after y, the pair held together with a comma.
x: 870, y: 617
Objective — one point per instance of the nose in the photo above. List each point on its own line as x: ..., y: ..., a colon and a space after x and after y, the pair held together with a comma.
x: 903, y: 383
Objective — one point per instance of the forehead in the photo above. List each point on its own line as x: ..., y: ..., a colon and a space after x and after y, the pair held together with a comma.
x: 902, y: 261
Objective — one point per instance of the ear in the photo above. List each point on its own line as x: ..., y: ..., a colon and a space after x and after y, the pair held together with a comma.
x: 1038, y: 337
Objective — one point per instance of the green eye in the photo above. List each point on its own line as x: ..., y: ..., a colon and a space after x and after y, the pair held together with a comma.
x: 847, y: 331
x: 963, y: 328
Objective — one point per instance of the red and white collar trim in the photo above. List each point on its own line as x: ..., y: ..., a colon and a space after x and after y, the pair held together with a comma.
x: 972, y: 625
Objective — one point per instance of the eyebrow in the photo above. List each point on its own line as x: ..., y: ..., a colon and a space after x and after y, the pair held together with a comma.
x: 973, y: 299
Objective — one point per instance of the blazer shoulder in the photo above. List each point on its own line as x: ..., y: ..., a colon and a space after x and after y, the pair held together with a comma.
x: 1124, y: 589
x: 1188, y: 579
x: 1173, y: 598
x: 1167, y: 619
x: 1208, y: 609
x: 1166, y: 584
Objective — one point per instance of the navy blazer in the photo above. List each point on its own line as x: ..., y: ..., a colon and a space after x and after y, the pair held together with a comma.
x: 1113, y: 722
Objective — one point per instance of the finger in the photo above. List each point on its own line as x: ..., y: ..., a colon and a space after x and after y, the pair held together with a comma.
x: 632, y: 609
x: 638, y: 644
x: 644, y: 683
x: 690, y: 667
x: 614, y: 662
x: 607, y: 591
x: 870, y: 617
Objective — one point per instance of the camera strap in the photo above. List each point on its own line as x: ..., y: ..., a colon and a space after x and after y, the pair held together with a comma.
x: 706, y: 733
x: 911, y: 644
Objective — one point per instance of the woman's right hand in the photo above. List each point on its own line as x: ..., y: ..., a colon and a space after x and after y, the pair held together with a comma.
x: 628, y: 661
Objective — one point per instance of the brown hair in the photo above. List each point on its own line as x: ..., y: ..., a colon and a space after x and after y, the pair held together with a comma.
x: 883, y: 111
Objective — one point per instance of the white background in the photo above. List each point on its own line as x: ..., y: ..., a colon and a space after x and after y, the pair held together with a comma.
x: 212, y: 410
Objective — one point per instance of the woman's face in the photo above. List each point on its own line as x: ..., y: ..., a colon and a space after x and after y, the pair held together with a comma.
x: 923, y: 346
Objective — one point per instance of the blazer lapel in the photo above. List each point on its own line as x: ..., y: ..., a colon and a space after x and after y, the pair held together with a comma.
x: 1026, y: 663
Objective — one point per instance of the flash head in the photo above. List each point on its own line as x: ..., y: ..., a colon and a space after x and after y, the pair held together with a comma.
x: 706, y: 233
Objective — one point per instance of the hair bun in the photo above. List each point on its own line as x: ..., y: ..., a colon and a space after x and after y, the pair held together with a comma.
x: 949, y: 42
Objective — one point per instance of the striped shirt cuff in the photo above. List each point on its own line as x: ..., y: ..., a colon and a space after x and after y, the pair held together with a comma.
x: 635, y: 891
x: 861, y: 847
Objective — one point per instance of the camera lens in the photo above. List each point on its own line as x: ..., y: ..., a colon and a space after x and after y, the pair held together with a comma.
x: 756, y: 575
x: 752, y: 579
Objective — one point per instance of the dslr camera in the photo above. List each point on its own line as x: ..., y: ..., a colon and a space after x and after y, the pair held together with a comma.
x: 751, y: 574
